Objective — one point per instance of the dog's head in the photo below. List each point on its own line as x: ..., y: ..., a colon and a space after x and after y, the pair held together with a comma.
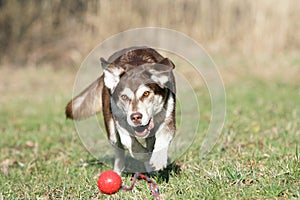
x: 139, y: 92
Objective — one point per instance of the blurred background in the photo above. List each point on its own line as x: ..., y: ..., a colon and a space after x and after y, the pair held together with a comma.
x: 61, y: 33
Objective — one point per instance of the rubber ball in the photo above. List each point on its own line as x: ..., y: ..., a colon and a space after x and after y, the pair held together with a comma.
x: 109, y: 182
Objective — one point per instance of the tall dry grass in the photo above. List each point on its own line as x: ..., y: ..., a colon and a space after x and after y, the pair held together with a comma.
x: 62, y: 32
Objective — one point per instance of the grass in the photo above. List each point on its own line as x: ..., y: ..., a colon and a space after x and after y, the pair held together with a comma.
x: 257, y: 156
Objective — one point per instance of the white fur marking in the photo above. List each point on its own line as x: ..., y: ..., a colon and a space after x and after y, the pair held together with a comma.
x: 112, y: 131
x: 140, y: 91
x: 163, y: 138
x: 111, y: 80
x: 142, y: 107
x: 158, y: 104
x: 170, y: 107
x: 160, y: 79
x: 78, y: 101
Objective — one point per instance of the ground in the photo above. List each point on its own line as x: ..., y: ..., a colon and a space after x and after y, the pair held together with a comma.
x: 256, y: 157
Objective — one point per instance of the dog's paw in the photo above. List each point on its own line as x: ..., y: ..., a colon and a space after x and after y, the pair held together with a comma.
x: 159, y: 160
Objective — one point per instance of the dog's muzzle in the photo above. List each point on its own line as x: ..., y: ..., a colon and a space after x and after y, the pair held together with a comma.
x: 142, y: 131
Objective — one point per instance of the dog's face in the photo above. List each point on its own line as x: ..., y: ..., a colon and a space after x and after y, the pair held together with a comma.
x: 139, y: 93
x: 140, y: 103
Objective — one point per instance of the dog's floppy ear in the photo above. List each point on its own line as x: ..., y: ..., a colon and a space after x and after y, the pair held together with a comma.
x: 112, y: 74
x: 87, y: 103
x: 161, y: 72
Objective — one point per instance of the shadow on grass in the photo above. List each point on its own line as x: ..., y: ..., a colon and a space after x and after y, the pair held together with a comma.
x: 172, y: 169
x: 132, y: 166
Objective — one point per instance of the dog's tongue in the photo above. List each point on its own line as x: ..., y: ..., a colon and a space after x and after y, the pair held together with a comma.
x: 141, y: 131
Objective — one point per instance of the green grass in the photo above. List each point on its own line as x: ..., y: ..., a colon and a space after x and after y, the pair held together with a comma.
x: 256, y: 157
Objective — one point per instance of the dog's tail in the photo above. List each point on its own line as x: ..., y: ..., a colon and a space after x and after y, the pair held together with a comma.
x: 87, y: 103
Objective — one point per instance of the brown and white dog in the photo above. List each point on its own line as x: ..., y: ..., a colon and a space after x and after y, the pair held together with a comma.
x: 137, y: 95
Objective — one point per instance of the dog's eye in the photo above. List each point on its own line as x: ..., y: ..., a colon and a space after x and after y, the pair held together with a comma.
x: 124, y: 97
x: 145, y: 94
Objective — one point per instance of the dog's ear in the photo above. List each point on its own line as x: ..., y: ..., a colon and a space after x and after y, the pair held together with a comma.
x: 104, y: 63
x: 87, y: 103
x: 112, y: 74
x: 161, y: 72
x: 168, y: 63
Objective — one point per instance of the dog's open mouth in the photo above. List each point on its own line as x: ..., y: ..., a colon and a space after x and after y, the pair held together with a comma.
x: 142, y: 131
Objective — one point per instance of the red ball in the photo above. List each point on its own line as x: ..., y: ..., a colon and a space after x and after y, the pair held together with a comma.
x: 109, y: 182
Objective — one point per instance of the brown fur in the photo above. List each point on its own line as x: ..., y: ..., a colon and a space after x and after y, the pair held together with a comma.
x: 135, y: 56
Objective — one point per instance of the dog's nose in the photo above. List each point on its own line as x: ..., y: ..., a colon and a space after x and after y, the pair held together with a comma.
x: 136, y: 118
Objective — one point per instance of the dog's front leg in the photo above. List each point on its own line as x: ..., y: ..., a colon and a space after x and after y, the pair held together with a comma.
x: 159, y: 157
x: 119, y: 163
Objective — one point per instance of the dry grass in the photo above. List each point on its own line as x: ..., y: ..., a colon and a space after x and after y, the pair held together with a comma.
x: 61, y: 33
x: 34, y: 83
x: 284, y: 68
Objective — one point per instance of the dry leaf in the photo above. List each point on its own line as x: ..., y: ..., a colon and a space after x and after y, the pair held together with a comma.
x: 5, y: 164
x: 32, y: 145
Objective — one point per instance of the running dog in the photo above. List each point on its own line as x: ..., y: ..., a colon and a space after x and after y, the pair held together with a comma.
x: 136, y: 94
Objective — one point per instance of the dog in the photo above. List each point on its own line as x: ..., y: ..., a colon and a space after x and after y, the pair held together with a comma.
x: 136, y: 94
